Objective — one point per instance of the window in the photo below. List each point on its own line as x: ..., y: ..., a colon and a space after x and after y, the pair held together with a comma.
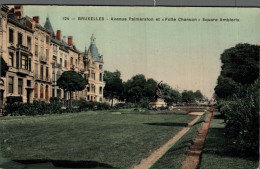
x: 71, y: 62
x: 47, y: 53
x: 11, y: 58
x: 47, y: 73
x: 20, y: 38
x: 28, y: 83
x: 47, y: 39
x: 36, y: 69
x: 30, y: 65
x: 65, y: 63
x: 100, y: 67
x: 11, y: 35
x: 61, y: 61
x: 53, y: 76
x: 100, y: 77
x: 47, y: 93
x: 53, y: 92
x: 41, y: 71
x: 41, y: 91
x: 20, y: 86
x: 93, y: 75
x: 36, y: 49
x: 100, y: 90
x: 11, y: 84
x: 59, y: 93
x: 76, y: 62
x: 17, y: 59
x: 35, y: 90
x: 25, y: 62
x: 29, y: 42
x: 0, y: 21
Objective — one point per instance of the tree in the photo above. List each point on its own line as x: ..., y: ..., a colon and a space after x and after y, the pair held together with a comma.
x: 114, y: 85
x: 133, y: 88
x: 188, y: 96
x: 198, y: 95
x: 226, y: 87
x: 71, y: 81
x: 150, y: 89
x: 170, y: 95
x: 241, y: 63
x: 240, y: 66
x: 4, y: 68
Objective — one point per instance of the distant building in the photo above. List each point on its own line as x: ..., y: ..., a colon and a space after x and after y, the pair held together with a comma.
x: 37, y: 56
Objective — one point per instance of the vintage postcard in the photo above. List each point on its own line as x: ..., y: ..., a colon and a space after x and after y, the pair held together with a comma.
x: 129, y: 87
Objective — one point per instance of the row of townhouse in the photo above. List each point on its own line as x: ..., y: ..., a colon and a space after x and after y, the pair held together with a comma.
x: 37, y: 56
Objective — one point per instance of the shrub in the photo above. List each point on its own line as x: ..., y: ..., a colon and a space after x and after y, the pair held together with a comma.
x: 241, y: 118
x: 84, y: 105
x: 54, y: 99
x: 126, y: 105
x: 37, y: 108
x: 144, y: 103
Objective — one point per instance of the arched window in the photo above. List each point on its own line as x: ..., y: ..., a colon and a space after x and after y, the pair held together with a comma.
x: 41, y: 91
x: 35, y: 89
x: 47, y: 93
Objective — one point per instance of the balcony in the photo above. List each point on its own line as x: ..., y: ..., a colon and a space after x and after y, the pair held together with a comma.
x: 43, y: 58
x: 22, y: 47
x: 56, y: 65
x: 82, y: 70
x: 42, y: 78
x: 23, y: 71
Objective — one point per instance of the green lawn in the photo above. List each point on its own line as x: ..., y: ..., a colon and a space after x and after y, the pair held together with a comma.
x: 218, y: 154
x: 173, y: 158
x: 118, y: 139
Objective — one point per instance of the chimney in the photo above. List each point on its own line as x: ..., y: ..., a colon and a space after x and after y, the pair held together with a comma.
x: 36, y: 19
x: 18, y: 10
x: 70, y: 40
x: 58, y: 35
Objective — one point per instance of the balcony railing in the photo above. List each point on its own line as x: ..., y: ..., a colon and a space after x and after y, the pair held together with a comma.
x: 23, y: 47
x: 42, y: 78
x: 23, y: 71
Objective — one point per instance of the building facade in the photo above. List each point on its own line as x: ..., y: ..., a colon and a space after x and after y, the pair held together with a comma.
x: 37, y: 57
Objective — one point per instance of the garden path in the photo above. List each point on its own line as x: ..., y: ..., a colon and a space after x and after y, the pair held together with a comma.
x: 146, y: 163
x: 193, y: 155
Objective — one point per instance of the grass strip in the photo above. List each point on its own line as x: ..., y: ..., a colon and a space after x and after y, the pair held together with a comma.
x: 173, y: 158
x: 218, y: 153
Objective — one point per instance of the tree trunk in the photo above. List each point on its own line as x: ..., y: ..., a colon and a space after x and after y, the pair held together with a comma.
x: 112, y: 101
x: 70, y: 99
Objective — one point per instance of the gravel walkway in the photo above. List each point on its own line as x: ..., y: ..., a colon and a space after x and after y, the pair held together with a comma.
x: 154, y: 156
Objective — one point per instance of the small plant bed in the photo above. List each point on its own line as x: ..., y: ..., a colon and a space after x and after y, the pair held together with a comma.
x: 103, y: 138
x: 219, y: 153
x: 174, y: 156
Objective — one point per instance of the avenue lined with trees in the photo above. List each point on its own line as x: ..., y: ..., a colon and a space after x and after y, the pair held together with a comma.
x: 237, y: 95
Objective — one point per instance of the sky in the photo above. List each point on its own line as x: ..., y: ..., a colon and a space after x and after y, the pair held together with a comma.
x: 183, y: 54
